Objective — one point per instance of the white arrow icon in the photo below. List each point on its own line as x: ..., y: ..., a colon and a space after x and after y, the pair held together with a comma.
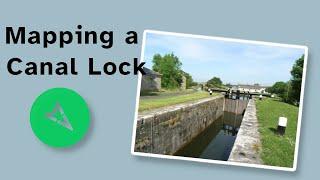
x: 58, y: 116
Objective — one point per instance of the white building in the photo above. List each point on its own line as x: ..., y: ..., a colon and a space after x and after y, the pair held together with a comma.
x: 250, y: 88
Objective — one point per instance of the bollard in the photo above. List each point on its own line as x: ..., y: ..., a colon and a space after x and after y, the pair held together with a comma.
x: 282, y: 124
x: 210, y: 92
x: 260, y: 97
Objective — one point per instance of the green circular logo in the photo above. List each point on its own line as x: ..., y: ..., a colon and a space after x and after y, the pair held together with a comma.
x: 60, y: 117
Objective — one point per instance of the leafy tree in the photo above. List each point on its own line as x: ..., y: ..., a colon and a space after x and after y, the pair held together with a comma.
x: 290, y: 91
x: 214, y: 82
x: 170, y: 68
x: 296, y: 80
x: 278, y: 88
x: 281, y: 89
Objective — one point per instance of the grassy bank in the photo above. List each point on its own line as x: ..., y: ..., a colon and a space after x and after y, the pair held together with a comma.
x: 167, y: 100
x: 277, y: 150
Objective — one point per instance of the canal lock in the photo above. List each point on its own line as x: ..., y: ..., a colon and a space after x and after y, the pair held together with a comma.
x: 217, y: 140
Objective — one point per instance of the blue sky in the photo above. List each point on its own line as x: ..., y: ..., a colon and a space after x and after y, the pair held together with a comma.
x: 233, y: 62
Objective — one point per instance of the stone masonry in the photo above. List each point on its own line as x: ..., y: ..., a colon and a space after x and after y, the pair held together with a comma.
x: 247, y: 146
x: 151, y: 81
x: 166, y: 130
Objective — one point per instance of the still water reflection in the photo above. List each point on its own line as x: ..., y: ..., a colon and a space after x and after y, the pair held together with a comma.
x: 216, y: 141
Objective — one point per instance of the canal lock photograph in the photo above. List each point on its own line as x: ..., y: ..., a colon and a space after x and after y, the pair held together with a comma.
x: 220, y: 100
x: 216, y: 141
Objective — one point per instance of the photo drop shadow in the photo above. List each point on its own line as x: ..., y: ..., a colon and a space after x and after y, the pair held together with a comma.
x: 82, y: 142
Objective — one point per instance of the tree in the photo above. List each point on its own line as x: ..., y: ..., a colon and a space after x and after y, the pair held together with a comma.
x: 170, y: 68
x: 229, y: 85
x: 296, y: 80
x: 278, y: 88
x: 214, y: 82
x: 281, y: 89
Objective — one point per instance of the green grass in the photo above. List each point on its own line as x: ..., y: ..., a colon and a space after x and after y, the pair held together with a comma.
x: 161, y: 101
x: 166, y: 92
x: 277, y: 150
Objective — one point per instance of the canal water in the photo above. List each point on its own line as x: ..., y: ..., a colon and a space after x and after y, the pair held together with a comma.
x: 216, y: 141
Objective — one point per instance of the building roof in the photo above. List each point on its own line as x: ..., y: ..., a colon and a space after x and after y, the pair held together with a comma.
x: 150, y: 72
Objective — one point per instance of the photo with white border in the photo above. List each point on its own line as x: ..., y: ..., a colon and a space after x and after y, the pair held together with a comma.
x: 219, y: 100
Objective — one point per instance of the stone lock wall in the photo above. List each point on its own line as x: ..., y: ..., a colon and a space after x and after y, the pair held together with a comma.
x: 166, y: 131
x: 247, y: 146
x: 235, y: 106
